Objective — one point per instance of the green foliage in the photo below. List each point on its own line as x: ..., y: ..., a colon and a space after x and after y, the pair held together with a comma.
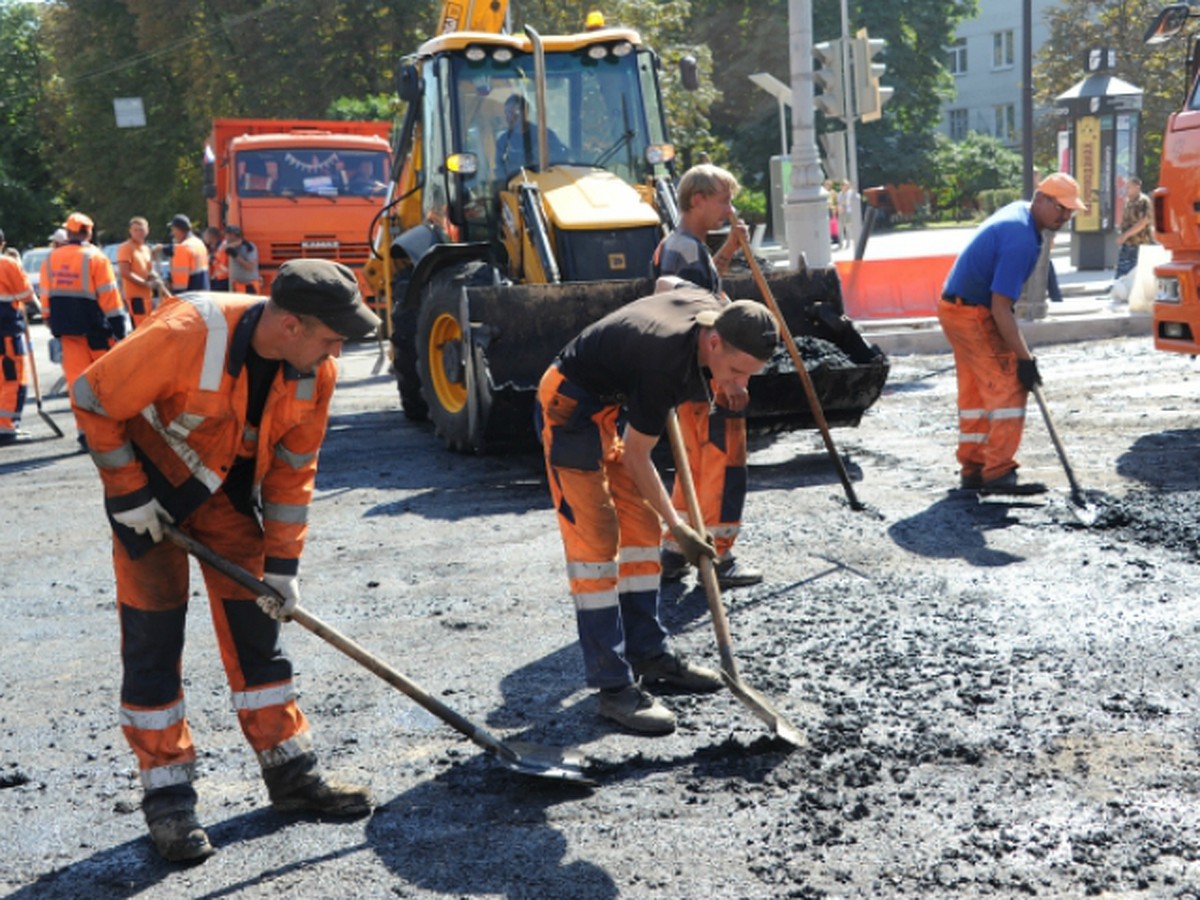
x: 993, y: 199
x: 751, y: 205
x: 964, y: 169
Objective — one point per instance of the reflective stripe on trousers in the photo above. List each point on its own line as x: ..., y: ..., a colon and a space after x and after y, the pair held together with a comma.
x: 610, y: 536
x: 12, y: 381
x: 991, y: 400
x: 152, y: 601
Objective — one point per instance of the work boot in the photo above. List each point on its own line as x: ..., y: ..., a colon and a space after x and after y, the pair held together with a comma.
x: 672, y: 669
x: 674, y: 566
x: 732, y: 574
x: 299, y: 786
x: 1008, y: 483
x: 174, y: 829
x: 636, y: 709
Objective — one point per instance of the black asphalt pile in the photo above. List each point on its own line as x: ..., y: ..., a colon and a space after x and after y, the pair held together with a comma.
x: 1154, y: 519
x: 817, y: 351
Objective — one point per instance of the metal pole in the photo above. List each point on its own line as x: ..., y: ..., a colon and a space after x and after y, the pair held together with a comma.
x: 1026, y: 93
x: 850, y: 81
x: 782, y: 127
x: 806, y: 206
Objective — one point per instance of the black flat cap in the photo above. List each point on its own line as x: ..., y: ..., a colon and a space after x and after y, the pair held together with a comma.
x: 745, y: 325
x: 327, y: 291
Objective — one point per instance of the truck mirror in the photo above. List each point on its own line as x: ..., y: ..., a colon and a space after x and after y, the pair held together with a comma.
x: 410, y: 84
x: 689, y: 72
x: 1167, y: 24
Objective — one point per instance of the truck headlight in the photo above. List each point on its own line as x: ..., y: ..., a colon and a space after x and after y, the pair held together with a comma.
x: 660, y: 153
x: 1168, y: 290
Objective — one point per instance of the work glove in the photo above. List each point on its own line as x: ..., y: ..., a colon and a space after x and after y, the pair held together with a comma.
x: 288, y: 589
x: 146, y: 519
x: 692, y: 544
x: 1027, y: 373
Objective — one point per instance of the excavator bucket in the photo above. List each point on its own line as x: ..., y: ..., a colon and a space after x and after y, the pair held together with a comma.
x: 521, y: 328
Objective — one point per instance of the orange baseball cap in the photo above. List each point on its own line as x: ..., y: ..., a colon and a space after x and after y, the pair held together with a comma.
x: 77, y: 221
x: 1062, y: 187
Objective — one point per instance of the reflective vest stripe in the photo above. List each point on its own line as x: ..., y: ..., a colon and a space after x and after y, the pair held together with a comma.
x: 306, y: 388
x: 15, y: 298
x: 114, y: 459
x: 178, y: 444
x: 261, y: 698
x: 295, y: 460
x: 85, y: 398
x: 287, y: 513
x: 215, y: 344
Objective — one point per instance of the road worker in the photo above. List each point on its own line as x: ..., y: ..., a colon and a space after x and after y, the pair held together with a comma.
x: 81, y: 302
x: 189, y: 257
x: 218, y: 262
x: 601, y: 407
x: 15, y: 292
x: 211, y: 416
x: 714, y: 433
x: 135, y: 264
x: 995, y: 369
x: 244, y: 277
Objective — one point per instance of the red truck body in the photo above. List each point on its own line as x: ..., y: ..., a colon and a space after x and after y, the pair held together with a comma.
x: 298, y: 188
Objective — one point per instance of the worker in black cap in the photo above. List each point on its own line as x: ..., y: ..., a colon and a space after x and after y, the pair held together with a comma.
x: 211, y: 416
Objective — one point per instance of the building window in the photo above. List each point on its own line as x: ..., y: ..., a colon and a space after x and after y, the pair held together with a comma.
x: 1006, y: 123
x: 957, y: 63
x: 958, y: 124
x: 1002, y: 50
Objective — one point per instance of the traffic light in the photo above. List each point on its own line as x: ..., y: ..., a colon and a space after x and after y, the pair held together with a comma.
x: 869, y: 95
x: 834, y: 145
x: 830, y: 78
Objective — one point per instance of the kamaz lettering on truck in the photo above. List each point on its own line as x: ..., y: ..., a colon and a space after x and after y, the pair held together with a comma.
x: 298, y: 188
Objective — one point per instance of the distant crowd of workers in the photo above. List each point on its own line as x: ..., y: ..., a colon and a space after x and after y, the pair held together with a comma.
x: 89, y: 306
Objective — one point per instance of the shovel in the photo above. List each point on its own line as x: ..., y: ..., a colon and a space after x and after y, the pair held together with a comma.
x: 1084, y: 511
x: 756, y: 702
x: 528, y: 759
x: 814, y: 402
x: 37, y: 387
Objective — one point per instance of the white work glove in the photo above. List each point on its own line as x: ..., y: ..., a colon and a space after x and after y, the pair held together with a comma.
x: 288, y: 589
x: 145, y: 519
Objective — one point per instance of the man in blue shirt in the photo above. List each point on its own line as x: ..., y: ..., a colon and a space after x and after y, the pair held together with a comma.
x: 995, y: 369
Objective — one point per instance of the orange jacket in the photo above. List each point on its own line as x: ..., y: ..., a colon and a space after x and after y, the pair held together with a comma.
x: 14, y: 291
x: 140, y: 260
x: 189, y: 265
x: 79, y: 293
x: 164, y: 413
x: 218, y: 265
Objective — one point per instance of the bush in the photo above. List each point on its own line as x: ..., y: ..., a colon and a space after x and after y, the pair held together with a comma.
x: 996, y: 198
x: 968, y: 168
x: 751, y: 206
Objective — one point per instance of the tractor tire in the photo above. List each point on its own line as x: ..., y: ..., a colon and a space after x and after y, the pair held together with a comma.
x: 404, y: 363
x: 456, y: 390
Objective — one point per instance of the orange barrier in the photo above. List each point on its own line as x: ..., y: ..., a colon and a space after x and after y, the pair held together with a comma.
x: 893, y: 288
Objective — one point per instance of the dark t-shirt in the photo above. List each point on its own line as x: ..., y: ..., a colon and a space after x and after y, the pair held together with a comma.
x: 643, y: 356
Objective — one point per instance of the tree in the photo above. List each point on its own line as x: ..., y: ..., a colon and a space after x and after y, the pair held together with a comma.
x: 29, y: 209
x: 1160, y: 71
x: 966, y: 168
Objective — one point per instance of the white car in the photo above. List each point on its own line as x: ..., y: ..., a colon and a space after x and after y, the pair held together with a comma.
x: 31, y: 262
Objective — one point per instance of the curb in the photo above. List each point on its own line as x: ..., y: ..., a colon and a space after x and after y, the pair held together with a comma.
x: 924, y: 336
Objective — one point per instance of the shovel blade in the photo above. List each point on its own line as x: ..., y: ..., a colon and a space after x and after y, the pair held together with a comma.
x: 559, y: 763
x: 765, y: 710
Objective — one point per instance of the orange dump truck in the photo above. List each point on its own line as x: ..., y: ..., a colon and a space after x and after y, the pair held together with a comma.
x: 298, y: 188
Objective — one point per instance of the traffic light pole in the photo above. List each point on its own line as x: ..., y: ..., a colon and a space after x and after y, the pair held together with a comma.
x: 851, y: 139
x: 806, y: 206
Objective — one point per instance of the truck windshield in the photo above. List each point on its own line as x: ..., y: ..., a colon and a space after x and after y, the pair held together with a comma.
x: 315, y: 171
x: 595, y: 115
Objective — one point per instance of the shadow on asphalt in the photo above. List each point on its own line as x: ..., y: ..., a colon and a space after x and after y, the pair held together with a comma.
x: 956, y: 527
x: 1165, y: 460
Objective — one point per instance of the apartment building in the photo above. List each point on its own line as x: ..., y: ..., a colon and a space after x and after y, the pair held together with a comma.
x: 985, y: 59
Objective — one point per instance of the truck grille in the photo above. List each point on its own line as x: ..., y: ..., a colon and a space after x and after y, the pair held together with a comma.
x: 352, y: 253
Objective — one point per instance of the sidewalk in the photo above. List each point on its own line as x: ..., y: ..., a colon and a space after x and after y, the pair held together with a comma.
x: 1084, y: 314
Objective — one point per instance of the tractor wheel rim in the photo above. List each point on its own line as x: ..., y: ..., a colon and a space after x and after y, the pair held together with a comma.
x: 451, y: 395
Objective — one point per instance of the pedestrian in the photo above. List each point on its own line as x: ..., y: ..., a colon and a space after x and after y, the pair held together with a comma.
x: 135, y: 264
x: 81, y: 302
x: 848, y: 200
x: 244, y: 277
x: 714, y: 433
x: 601, y: 407
x: 224, y: 436
x: 15, y: 292
x: 995, y: 369
x: 218, y: 262
x: 1137, y: 221
x: 189, y: 257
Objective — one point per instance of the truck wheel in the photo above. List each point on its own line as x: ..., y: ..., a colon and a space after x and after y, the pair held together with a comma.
x: 455, y: 389
x: 404, y: 362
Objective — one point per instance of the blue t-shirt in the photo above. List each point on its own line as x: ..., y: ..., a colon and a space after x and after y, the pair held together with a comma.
x: 999, y: 259
x: 687, y: 257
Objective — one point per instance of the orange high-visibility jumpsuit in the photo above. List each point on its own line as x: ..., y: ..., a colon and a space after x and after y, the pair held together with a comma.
x: 165, y: 415
x: 80, y: 299
x: 139, y: 298
x: 15, y: 291
x: 218, y: 268
x: 189, y: 265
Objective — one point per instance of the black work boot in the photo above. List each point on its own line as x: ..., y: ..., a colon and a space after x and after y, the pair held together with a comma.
x: 174, y: 829
x: 299, y: 786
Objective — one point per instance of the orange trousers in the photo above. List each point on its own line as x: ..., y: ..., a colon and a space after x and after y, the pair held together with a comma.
x: 12, y: 381
x: 77, y: 355
x: 991, y: 400
x: 715, y: 441
x: 152, y: 603
x: 610, y: 535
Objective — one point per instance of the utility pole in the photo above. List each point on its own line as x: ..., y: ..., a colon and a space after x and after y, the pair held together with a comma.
x: 806, y: 206
x: 851, y: 118
x: 1026, y: 94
